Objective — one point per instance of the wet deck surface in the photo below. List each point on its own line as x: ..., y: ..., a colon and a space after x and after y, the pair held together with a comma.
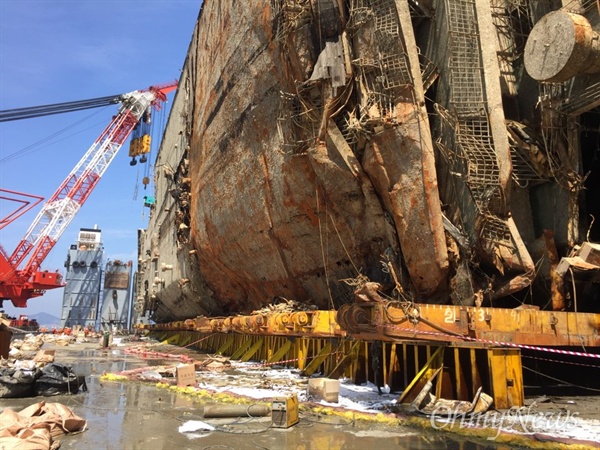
x: 136, y: 415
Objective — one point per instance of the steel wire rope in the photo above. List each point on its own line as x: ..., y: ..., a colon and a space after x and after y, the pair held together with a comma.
x: 560, y: 362
x: 404, y: 306
x: 36, y: 146
x: 414, y: 318
x: 410, y: 309
x: 135, y: 187
x: 323, y: 250
x: 566, y: 383
x: 343, y: 245
x: 537, y: 268
x: 575, y: 307
x: 153, y: 133
x: 347, y: 92
x: 146, y: 169
x: 157, y: 133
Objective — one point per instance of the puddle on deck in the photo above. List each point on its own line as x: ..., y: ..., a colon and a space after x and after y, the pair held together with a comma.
x: 134, y: 415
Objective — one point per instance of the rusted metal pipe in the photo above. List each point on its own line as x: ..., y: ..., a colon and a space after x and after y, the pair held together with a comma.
x: 220, y: 411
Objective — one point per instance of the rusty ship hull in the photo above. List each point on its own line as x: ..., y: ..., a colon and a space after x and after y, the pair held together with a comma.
x: 314, y: 146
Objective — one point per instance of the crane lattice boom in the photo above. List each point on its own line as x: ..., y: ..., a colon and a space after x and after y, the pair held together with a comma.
x: 19, y: 285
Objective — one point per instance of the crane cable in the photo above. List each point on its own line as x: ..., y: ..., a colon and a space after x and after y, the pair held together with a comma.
x: 57, y: 108
x: 48, y: 140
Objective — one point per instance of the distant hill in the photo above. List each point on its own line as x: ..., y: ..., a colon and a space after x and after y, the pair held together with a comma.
x: 46, y: 320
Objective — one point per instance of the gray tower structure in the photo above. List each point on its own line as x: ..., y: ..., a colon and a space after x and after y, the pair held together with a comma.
x: 116, y: 299
x: 83, y: 279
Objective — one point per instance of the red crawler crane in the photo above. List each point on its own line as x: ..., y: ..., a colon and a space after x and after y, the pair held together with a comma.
x: 20, y: 284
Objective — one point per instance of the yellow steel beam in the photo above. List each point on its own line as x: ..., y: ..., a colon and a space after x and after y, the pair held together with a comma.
x: 520, y: 326
x: 423, y: 322
x: 347, y: 359
x: 460, y: 394
x: 269, y: 346
x: 186, y: 338
x: 506, y: 377
x: 242, y: 348
x: 250, y: 353
x: 300, y: 335
x: 301, y: 349
x: 475, y: 377
x: 405, y: 364
x: 318, y: 360
x: 281, y: 351
x: 393, y: 367
x: 173, y: 339
x: 429, y: 368
x: 163, y: 336
x: 228, y: 343
x: 308, y: 354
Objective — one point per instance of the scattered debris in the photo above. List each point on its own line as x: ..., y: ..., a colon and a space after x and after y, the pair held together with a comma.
x: 283, y: 305
x: 30, y: 371
x: 192, y: 426
x: 145, y: 351
x: 427, y: 403
x: 44, y: 357
x: 214, y: 363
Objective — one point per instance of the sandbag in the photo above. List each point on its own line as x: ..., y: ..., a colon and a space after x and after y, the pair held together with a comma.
x: 37, y: 426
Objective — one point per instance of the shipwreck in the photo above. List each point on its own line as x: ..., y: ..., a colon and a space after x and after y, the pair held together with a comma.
x: 446, y: 150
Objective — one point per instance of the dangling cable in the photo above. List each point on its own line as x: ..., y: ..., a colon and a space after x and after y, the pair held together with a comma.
x: 135, y: 189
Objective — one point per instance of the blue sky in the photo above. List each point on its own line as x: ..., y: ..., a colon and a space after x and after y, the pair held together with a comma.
x: 59, y: 51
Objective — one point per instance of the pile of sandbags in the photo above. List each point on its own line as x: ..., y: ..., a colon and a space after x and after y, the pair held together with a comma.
x: 37, y: 426
x: 60, y: 339
x: 26, y: 347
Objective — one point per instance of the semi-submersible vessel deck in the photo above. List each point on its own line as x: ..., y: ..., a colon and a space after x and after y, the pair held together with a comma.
x: 424, y: 174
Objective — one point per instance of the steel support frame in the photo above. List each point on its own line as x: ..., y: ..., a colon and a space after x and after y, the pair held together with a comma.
x: 481, y: 344
x: 404, y: 366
